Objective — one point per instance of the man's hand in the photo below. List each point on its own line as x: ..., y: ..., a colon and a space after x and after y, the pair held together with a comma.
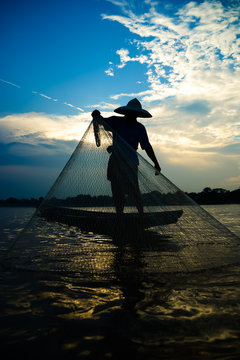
x: 152, y: 156
x: 96, y: 113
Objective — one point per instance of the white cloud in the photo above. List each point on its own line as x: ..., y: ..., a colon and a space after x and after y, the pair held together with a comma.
x: 124, y: 58
x: 192, y: 64
x: 200, y: 38
x: 139, y: 94
x: 110, y: 71
x: 40, y: 127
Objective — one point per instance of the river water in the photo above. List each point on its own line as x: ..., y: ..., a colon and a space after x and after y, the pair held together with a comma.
x: 195, y: 316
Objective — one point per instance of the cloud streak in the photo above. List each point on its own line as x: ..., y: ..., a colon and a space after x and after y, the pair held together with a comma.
x: 55, y: 100
x: 73, y: 106
x: 44, y: 95
x: 10, y: 83
x: 104, y: 105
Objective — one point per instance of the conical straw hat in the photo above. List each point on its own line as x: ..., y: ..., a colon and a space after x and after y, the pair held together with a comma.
x: 133, y: 106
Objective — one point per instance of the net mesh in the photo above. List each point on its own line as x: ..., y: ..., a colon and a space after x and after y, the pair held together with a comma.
x: 78, y: 227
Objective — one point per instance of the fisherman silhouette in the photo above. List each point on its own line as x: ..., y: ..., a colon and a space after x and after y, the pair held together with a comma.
x: 123, y: 163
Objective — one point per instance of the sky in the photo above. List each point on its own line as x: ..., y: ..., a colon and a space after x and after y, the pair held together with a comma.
x: 62, y: 59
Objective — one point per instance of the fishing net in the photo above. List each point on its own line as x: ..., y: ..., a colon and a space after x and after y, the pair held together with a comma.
x: 78, y: 228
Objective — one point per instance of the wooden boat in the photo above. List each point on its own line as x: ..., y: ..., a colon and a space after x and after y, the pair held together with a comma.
x: 107, y: 222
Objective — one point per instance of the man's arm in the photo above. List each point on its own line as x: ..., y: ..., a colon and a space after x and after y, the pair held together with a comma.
x: 151, y: 154
x: 145, y: 145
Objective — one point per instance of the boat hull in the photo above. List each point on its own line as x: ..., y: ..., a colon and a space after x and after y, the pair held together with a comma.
x: 96, y: 221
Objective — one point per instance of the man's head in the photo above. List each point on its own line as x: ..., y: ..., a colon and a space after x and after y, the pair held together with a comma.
x: 133, y: 109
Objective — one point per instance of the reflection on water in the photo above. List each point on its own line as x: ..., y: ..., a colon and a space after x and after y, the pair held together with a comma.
x: 127, y: 309
x: 160, y: 318
x: 229, y: 215
x: 195, y: 243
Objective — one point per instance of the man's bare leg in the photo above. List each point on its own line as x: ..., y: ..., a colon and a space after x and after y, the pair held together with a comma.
x: 118, y: 197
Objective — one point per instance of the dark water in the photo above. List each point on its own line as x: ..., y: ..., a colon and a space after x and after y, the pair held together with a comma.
x: 174, y: 316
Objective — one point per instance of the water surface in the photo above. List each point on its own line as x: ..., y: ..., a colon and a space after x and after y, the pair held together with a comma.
x: 161, y: 316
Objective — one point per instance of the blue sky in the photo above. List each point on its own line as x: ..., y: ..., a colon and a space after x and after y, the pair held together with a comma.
x: 61, y: 59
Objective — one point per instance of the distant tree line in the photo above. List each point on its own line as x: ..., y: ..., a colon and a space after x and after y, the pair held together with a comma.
x: 216, y: 196
x: 207, y: 196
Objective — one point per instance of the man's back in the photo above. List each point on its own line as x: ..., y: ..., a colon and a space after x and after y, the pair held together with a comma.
x: 131, y: 131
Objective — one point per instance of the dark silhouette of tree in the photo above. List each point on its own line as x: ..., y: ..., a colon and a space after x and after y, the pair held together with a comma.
x: 207, y: 196
x: 210, y: 196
